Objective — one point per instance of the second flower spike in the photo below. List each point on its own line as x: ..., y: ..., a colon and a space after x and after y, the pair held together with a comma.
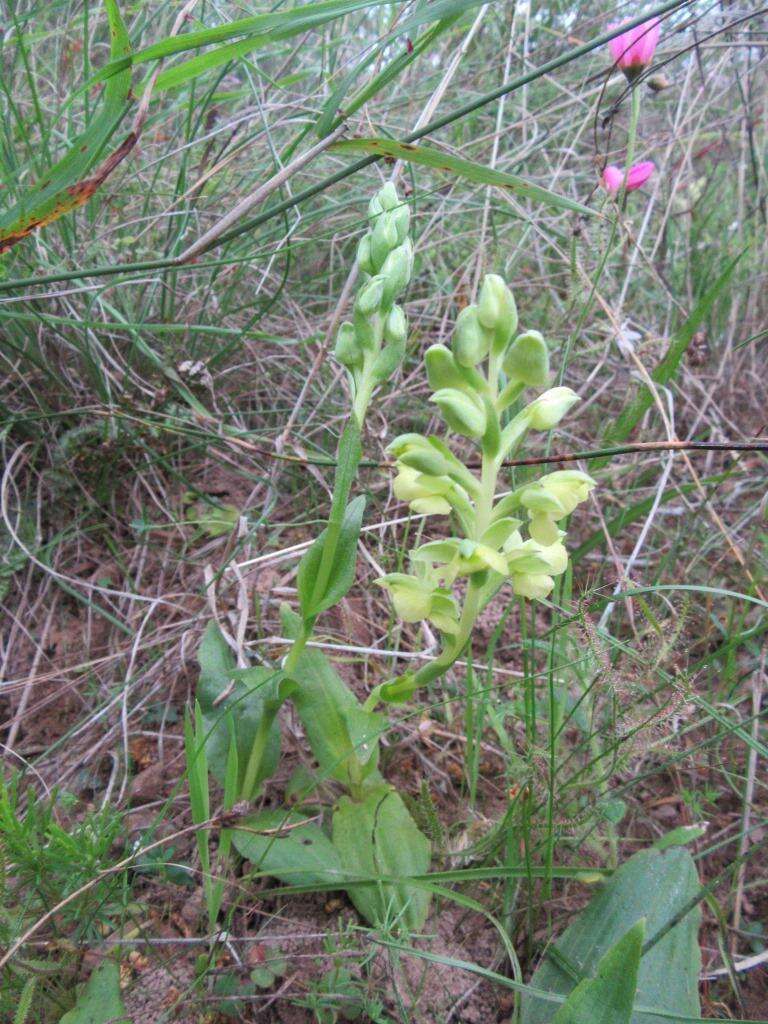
x: 372, y: 346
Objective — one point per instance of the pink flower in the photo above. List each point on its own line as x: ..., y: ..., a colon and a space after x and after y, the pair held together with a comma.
x: 633, y: 50
x: 613, y: 177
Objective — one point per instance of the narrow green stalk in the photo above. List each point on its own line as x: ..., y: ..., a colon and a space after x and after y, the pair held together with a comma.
x: 634, y: 118
x: 255, y: 757
x: 261, y: 738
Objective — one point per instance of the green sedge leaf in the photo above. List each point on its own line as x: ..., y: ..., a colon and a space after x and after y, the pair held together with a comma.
x: 66, y: 185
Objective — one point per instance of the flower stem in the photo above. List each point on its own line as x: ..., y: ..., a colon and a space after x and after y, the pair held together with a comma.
x: 483, y: 509
x: 634, y: 118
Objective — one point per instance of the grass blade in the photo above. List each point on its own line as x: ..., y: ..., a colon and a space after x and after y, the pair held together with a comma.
x: 66, y: 186
x: 667, y: 368
x: 460, y: 168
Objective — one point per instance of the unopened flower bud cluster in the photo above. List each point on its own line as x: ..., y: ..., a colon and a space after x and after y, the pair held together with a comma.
x: 372, y: 345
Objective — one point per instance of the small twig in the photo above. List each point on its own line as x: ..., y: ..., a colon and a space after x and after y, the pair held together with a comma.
x: 749, y: 795
x: 211, y: 236
x: 761, y: 445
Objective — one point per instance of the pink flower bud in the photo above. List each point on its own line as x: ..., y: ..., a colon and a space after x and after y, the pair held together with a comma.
x: 633, y: 50
x: 613, y: 177
x: 639, y: 174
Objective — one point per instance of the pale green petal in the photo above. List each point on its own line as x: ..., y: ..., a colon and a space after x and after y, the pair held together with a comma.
x: 533, y: 585
x: 431, y: 506
x: 538, y: 498
x: 411, y: 596
x: 528, y: 558
x: 440, y: 551
x: 543, y: 529
x: 499, y: 532
x: 492, y: 559
x: 557, y: 556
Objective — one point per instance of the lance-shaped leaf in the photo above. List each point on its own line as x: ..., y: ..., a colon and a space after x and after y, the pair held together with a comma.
x: 655, y: 885
x: 327, y: 570
x: 456, y: 166
x: 260, y: 30
x: 343, y: 737
x: 66, y: 186
x: 341, y: 575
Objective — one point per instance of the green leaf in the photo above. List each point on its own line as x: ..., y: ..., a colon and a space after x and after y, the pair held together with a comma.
x: 65, y: 186
x: 262, y: 29
x: 625, y: 423
x: 347, y: 460
x: 466, y: 169
x: 327, y: 570
x: 252, y: 701
x: 680, y: 836
x: 377, y: 838
x: 343, y: 737
x: 100, y: 1001
x: 653, y: 885
x: 609, y: 996
x: 297, y: 852
x: 342, y: 571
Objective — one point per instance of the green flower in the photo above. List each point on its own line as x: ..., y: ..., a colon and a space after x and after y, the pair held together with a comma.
x: 459, y: 557
x: 427, y: 494
x: 532, y: 585
x: 417, y: 597
x: 548, y: 409
x: 551, y: 499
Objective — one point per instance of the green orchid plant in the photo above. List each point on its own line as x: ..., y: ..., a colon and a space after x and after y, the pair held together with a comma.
x: 475, y: 385
x: 367, y: 843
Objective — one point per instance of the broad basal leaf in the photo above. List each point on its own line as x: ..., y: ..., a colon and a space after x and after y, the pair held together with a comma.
x: 377, y: 838
x: 609, y: 996
x: 288, y: 846
x: 252, y: 699
x: 100, y: 1001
